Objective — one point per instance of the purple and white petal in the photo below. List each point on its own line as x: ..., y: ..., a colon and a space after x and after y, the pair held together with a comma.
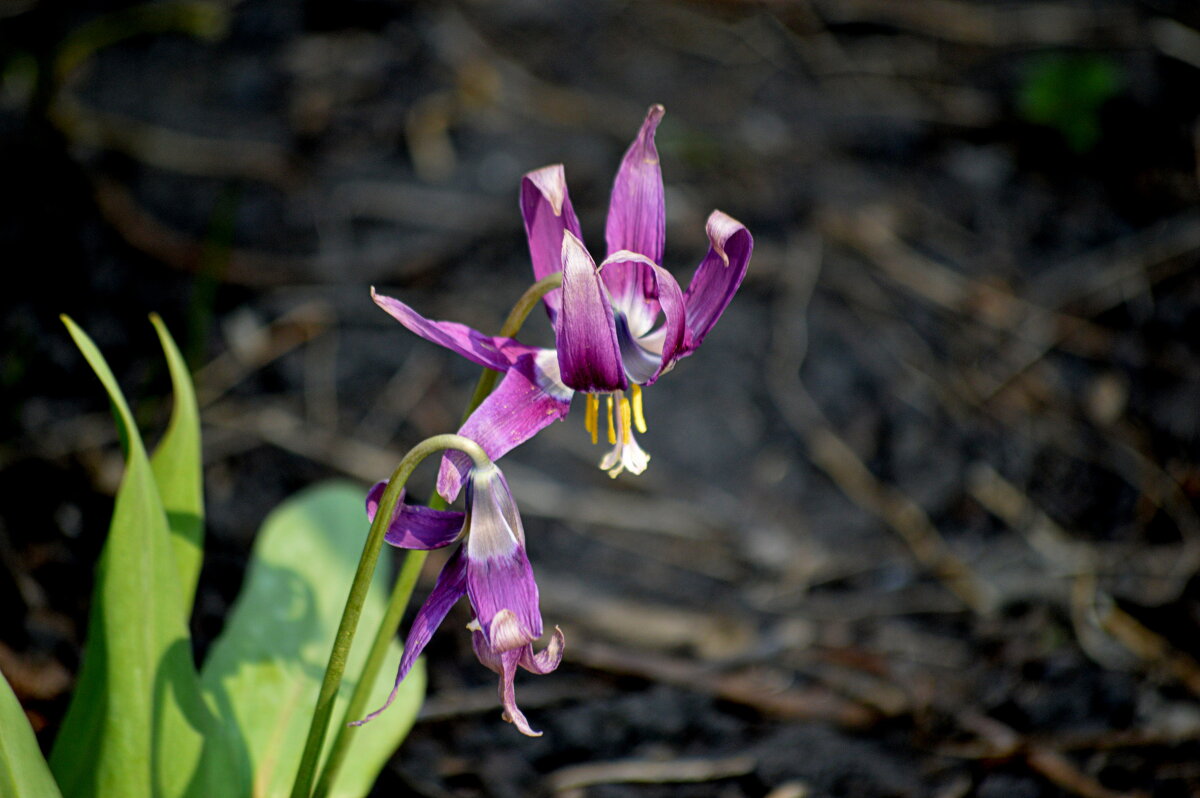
x: 529, y: 398
x: 630, y: 284
x: 505, y: 598
x: 540, y: 663
x: 451, y: 584
x: 717, y: 277
x: 486, y: 655
x: 414, y: 526
x: 636, y: 223
x: 644, y: 363
x: 508, y: 694
x: 547, y: 659
x: 588, y: 353
x: 499, y: 578
x: 546, y: 209
x: 636, y: 215
x: 492, y: 351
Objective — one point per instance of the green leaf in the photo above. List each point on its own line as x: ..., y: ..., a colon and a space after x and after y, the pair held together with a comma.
x: 137, y: 726
x: 177, y: 471
x: 265, y: 669
x: 23, y: 771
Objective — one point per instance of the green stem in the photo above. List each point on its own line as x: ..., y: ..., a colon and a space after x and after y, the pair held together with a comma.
x: 358, y: 594
x: 414, y: 559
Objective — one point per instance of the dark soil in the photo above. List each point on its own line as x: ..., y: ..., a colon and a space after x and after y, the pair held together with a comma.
x: 922, y: 513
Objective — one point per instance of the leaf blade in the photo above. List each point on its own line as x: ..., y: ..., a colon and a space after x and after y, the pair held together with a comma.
x: 267, y: 684
x: 137, y: 725
x: 177, y: 468
x: 23, y: 770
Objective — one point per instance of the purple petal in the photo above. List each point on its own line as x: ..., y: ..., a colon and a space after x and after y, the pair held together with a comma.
x: 505, y: 663
x: 508, y: 694
x: 585, y: 334
x: 530, y: 397
x: 636, y: 218
x: 486, y: 655
x: 644, y: 363
x: 505, y: 598
x: 414, y: 526
x: 494, y: 352
x: 546, y: 209
x: 717, y: 277
x: 499, y: 578
x: 451, y: 584
x: 547, y: 659
x: 541, y: 663
x: 630, y: 283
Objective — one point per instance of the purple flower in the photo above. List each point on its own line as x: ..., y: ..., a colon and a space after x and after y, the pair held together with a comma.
x: 618, y: 326
x: 491, y: 569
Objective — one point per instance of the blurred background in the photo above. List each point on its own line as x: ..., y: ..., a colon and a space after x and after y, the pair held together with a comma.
x: 921, y: 518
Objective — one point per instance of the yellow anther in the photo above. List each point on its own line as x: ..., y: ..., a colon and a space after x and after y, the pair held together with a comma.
x: 626, y: 426
x: 638, y: 418
x: 592, y: 416
x: 608, y: 405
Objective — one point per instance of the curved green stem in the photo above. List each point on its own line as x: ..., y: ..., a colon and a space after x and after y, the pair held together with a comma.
x: 414, y: 559
x: 358, y: 594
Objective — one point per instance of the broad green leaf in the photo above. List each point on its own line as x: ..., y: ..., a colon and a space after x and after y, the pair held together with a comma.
x: 265, y: 669
x: 137, y: 726
x: 23, y: 771
x: 177, y: 472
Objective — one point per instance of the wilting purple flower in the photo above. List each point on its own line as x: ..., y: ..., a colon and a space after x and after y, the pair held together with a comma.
x: 491, y: 569
x: 608, y: 335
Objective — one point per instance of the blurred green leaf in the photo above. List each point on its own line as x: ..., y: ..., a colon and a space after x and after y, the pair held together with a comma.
x: 177, y: 472
x: 1066, y: 92
x: 137, y: 724
x: 23, y: 771
x: 265, y: 669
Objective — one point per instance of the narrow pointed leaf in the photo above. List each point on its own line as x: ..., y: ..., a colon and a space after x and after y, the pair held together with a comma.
x: 265, y: 669
x: 23, y: 770
x: 137, y: 725
x: 177, y: 471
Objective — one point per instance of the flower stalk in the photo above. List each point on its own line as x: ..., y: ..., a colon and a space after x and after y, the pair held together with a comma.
x: 306, y: 772
x: 414, y: 559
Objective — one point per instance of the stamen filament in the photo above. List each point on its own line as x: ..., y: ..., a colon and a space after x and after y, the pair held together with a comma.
x: 626, y: 425
x: 638, y: 418
x: 592, y: 416
x: 608, y: 406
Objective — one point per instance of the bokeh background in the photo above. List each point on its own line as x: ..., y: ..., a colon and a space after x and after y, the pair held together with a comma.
x: 921, y: 518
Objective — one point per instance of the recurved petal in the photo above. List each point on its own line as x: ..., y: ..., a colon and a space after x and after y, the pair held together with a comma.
x: 530, y: 397
x: 494, y: 352
x: 546, y: 209
x: 547, y: 659
x: 541, y: 662
x: 414, y: 526
x: 451, y: 584
x: 636, y: 216
x: 505, y: 664
x: 508, y: 694
x: 717, y: 277
x: 630, y: 282
x: 645, y: 363
x: 585, y: 333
